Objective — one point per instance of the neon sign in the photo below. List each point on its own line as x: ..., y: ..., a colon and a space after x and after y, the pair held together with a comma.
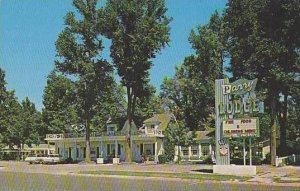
x: 239, y: 87
x: 239, y: 98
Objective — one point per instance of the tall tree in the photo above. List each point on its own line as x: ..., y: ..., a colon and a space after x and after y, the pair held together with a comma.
x: 138, y: 29
x: 59, y: 100
x: 191, y: 89
x: 3, y: 90
x: 147, y: 105
x: 9, y: 113
x: 31, y: 128
x: 19, y: 123
x: 78, y: 47
x: 179, y: 136
x: 264, y: 43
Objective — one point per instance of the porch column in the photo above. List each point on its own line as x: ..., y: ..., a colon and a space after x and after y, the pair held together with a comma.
x: 210, y: 149
x: 75, y: 149
x: 116, y: 149
x: 48, y: 146
x: 190, y: 152
x: 162, y: 148
x: 176, y: 153
x: 179, y: 154
x: 155, y: 153
x: 64, y: 150
x: 199, y: 150
x: 101, y: 149
x: 131, y: 146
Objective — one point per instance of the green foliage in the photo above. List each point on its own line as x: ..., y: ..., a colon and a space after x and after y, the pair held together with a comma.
x: 32, y: 130
x: 19, y: 123
x: 169, y: 148
x: 191, y: 90
x: 177, y: 135
x: 293, y: 130
x: 263, y: 42
x: 208, y: 160
x: 146, y: 106
x: 9, y: 119
x: 264, y: 126
x: 138, y: 30
x: 256, y: 160
x: 268, y: 158
x: 162, y: 159
x: 59, y: 100
x: 78, y: 48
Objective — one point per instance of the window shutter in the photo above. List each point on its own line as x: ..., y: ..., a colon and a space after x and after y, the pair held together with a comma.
x: 119, y: 149
x: 108, y: 149
x: 153, y: 149
x: 70, y: 152
x: 141, y: 148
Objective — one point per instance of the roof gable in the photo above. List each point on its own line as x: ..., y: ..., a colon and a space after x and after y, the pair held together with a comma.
x: 203, y: 135
x: 126, y: 128
x: 162, y: 120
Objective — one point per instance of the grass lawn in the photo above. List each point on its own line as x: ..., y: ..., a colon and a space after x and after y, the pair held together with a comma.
x: 286, y: 180
x: 194, y: 176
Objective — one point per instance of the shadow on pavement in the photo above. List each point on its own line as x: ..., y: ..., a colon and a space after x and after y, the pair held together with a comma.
x: 204, y: 170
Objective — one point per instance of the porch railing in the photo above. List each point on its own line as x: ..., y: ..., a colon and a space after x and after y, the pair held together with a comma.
x: 152, y: 132
x: 98, y: 134
x: 54, y: 136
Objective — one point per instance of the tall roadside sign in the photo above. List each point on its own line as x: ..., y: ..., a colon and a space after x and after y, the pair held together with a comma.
x: 234, y: 105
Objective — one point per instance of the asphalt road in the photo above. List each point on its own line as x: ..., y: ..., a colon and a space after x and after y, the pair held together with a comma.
x: 21, y: 181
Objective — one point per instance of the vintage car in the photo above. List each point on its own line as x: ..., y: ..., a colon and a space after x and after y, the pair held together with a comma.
x: 35, y: 158
x: 52, y: 159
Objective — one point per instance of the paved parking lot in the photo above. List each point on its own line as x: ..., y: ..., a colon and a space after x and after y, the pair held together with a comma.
x: 14, y: 166
x: 265, y: 173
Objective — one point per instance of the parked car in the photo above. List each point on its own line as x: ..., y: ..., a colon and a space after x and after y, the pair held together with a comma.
x: 35, y: 159
x: 52, y: 159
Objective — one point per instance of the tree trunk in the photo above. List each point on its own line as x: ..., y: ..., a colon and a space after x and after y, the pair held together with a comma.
x: 128, y: 157
x: 273, y: 129
x: 178, y: 155
x: 283, y: 126
x: 87, y: 143
x: 133, y: 106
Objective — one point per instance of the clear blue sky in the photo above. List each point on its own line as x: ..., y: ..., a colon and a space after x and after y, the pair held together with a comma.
x: 29, y: 29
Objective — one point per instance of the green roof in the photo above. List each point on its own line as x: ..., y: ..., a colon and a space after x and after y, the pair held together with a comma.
x: 203, y: 135
x: 162, y: 119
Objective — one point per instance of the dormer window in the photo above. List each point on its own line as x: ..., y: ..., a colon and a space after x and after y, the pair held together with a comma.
x: 111, y: 129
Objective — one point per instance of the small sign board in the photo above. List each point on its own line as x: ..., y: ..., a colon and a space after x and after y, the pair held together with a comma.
x: 245, y: 127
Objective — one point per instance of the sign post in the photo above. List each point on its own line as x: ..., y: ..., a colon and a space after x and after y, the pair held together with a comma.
x: 250, y: 151
x: 222, y: 148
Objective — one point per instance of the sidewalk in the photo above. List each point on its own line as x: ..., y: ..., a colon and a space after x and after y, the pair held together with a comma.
x: 286, y: 174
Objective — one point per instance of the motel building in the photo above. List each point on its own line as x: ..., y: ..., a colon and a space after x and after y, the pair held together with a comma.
x: 109, y: 146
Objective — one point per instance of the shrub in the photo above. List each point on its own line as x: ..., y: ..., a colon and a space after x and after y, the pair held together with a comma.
x: 208, y: 160
x: 69, y: 160
x: 9, y: 156
x: 162, y: 159
x: 256, y: 160
x: 267, y: 160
